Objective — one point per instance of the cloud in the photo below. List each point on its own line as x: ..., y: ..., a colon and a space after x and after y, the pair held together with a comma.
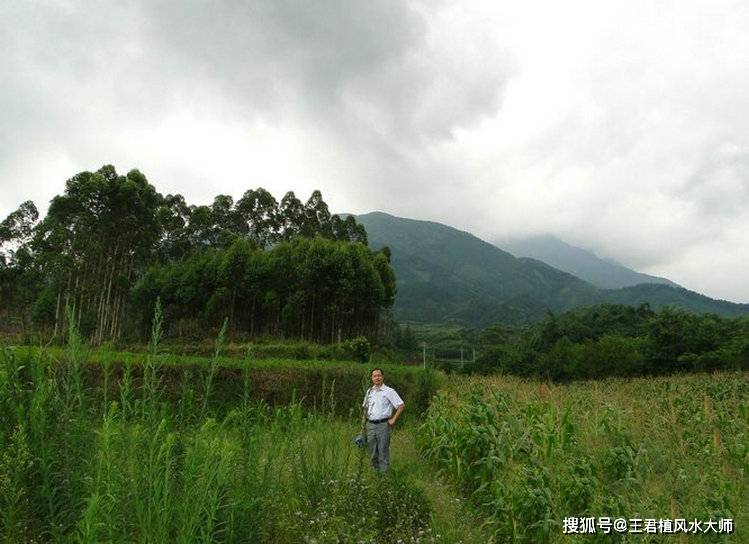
x: 620, y: 128
x: 364, y: 87
x: 643, y: 155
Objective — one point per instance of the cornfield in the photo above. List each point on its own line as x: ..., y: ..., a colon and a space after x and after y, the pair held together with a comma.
x: 529, y: 455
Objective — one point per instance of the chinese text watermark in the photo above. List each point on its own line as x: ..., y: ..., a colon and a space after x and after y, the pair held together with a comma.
x: 606, y: 525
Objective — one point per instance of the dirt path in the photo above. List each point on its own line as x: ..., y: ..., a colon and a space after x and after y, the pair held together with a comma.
x: 452, y: 518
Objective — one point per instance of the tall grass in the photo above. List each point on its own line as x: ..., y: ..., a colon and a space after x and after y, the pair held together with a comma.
x: 151, y: 378
x: 42, y: 442
x: 214, y: 365
x: 81, y: 463
x: 78, y: 465
x: 273, y: 380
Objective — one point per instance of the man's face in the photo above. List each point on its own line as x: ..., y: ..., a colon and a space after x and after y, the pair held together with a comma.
x: 377, y: 378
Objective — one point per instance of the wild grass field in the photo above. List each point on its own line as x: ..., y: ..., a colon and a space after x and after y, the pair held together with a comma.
x: 107, y: 456
x: 126, y: 454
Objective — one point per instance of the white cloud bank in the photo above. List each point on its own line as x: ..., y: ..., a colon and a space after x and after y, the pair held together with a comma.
x: 623, y: 128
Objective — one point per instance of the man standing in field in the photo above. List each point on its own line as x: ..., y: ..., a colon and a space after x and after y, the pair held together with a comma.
x: 379, y: 403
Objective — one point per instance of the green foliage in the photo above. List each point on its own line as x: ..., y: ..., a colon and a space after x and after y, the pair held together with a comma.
x: 661, y: 296
x: 358, y: 348
x: 253, y: 473
x: 213, y: 367
x: 311, y: 289
x: 151, y: 379
x: 275, y: 381
x: 107, y: 231
x: 528, y: 454
x: 615, y: 340
x: 15, y: 464
x: 252, y: 469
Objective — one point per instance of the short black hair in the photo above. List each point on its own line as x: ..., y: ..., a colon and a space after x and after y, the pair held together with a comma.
x: 376, y: 368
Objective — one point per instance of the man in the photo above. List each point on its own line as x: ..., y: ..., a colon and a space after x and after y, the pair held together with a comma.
x: 379, y: 403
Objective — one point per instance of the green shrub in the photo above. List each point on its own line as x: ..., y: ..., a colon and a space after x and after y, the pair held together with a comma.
x: 358, y: 349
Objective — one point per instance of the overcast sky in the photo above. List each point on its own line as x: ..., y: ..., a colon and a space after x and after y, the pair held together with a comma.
x: 619, y: 127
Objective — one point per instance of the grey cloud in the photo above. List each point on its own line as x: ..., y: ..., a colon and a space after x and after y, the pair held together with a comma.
x: 358, y: 66
x: 266, y: 51
x: 367, y: 77
x: 395, y: 105
x: 719, y: 185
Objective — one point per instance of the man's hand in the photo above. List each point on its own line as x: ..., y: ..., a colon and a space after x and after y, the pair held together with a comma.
x: 396, y: 415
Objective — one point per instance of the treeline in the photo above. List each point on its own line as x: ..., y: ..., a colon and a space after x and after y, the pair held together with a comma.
x: 309, y: 288
x: 110, y: 244
x: 615, y: 340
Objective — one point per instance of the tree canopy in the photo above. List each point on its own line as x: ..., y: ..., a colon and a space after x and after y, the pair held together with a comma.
x: 111, y: 243
x: 617, y: 340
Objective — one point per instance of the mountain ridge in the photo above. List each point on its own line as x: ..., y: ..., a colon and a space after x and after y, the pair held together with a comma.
x: 451, y: 276
x: 585, y: 264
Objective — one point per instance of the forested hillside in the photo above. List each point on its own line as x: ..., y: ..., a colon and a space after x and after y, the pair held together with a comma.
x: 449, y: 276
x: 446, y: 275
x: 659, y: 295
x: 615, y: 340
x: 111, y: 244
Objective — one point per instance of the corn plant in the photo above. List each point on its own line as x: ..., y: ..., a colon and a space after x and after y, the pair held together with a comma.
x: 529, y: 454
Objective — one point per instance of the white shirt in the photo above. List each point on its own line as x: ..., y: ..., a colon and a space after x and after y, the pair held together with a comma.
x: 381, y: 402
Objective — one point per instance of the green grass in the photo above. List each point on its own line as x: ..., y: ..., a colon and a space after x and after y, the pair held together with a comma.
x: 453, y: 518
x: 99, y: 449
x: 144, y: 469
x: 339, y: 384
x: 104, y: 446
x: 103, y: 355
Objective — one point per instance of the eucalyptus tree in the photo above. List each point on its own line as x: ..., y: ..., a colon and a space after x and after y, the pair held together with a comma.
x: 315, y: 289
x: 110, y: 241
x: 348, y: 229
x: 200, y: 228
x: 228, y: 222
x: 173, y: 217
x: 314, y: 219
x: 18, y: 278
x: 291, y: 216
x: 236, y: 261
x: 317, y: 219
x: 92, y: 243
x: 19, y: 225
x: 259, y: 216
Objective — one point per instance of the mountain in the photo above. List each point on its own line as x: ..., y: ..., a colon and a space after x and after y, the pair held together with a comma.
x: 578, y: 262
x: 659, y: 295
x: 449, y: 276
x: 446, y: 275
